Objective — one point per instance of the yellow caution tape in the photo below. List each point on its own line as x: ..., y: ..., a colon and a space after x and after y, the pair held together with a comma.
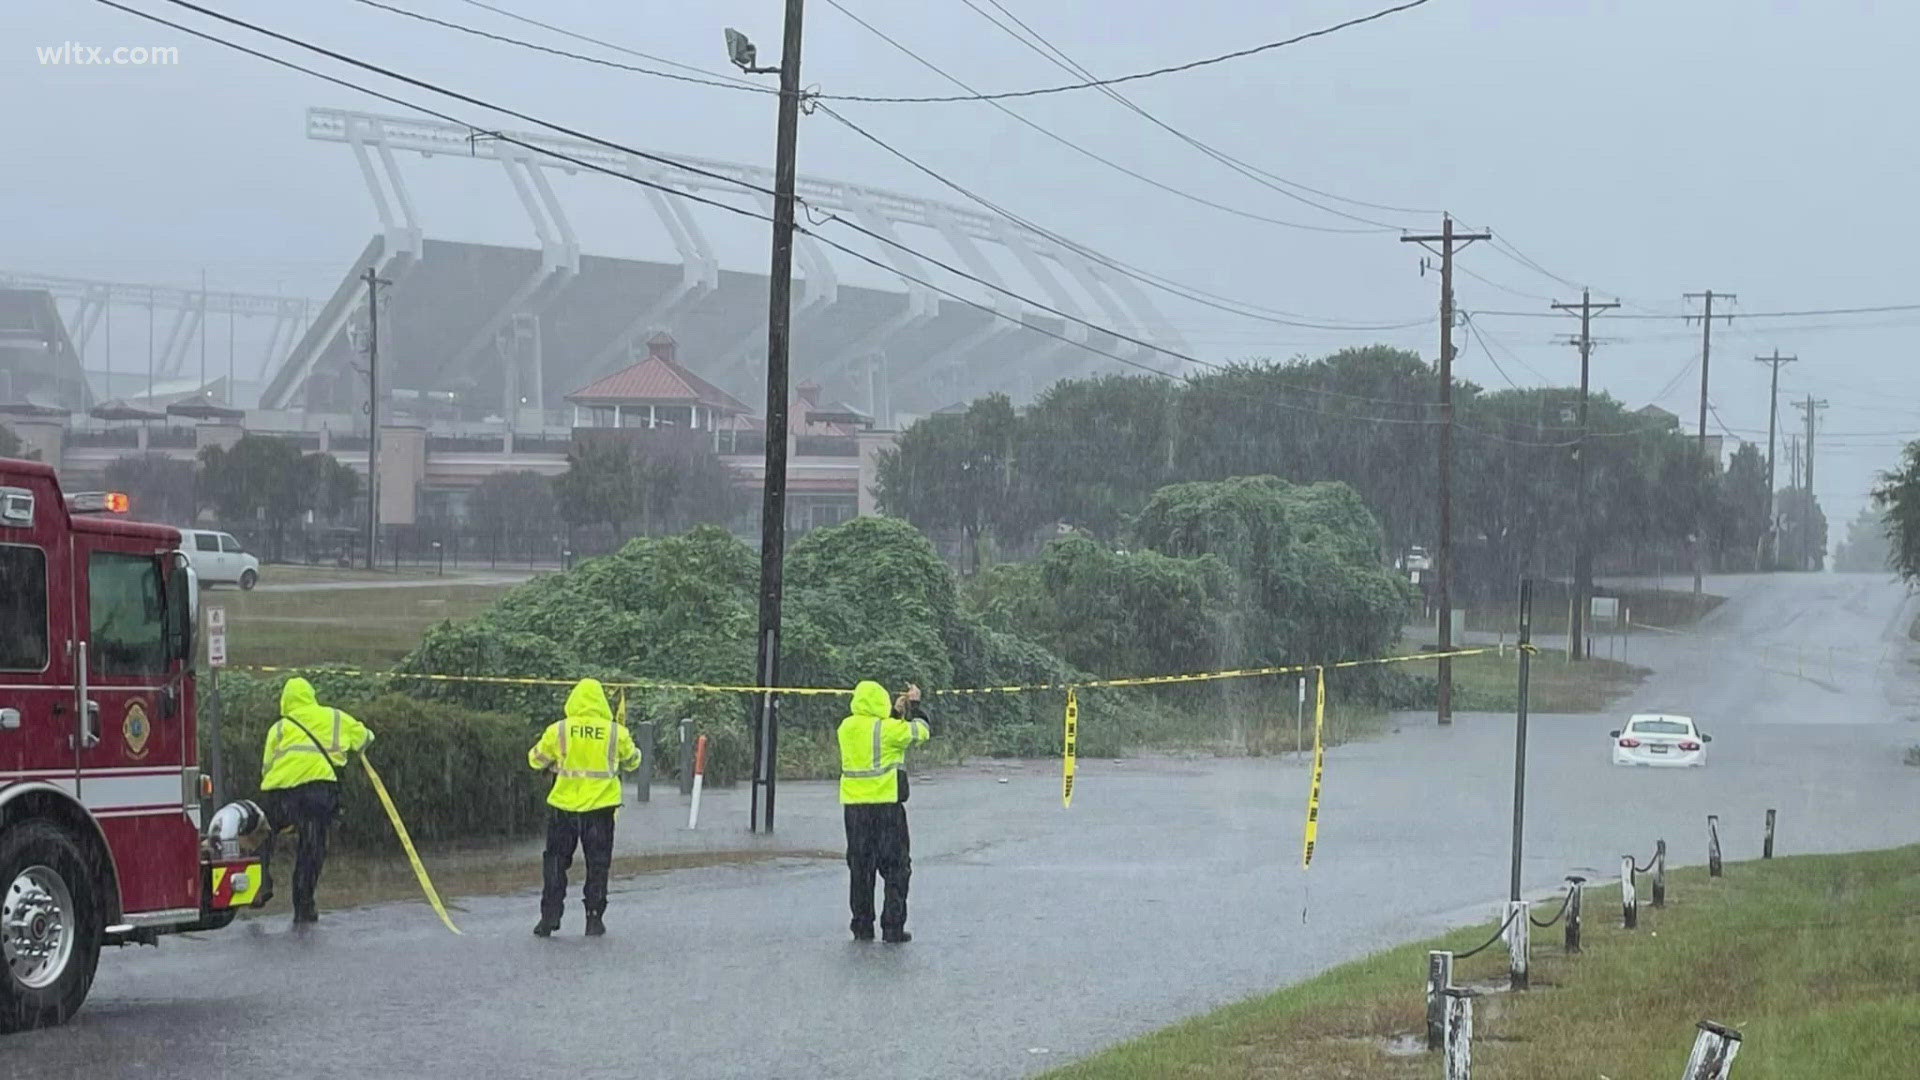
x: 1071, y: 744
x: 1312, y: 833
x: 419, y: 871
x: 1026, y: 688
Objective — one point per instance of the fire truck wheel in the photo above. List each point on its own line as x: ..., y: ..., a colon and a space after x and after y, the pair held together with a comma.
x: 49, y: 926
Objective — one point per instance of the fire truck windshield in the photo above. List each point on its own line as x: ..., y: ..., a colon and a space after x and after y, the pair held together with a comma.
x: 128, y: 619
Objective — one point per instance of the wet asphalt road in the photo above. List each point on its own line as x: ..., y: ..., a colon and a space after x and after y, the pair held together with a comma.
x: 1043, y: 935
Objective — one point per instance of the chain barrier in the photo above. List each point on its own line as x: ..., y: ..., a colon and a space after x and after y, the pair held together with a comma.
x: 1651, y: 859
x: 1485, y: 945
x: 1564, y: 905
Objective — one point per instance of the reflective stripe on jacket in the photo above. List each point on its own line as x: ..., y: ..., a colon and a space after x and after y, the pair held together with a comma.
x: 290, y: 758
x: 873, y: 747
x: 586, y: 752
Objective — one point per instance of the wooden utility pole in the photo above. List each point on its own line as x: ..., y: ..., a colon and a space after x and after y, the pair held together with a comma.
x: 1699, y: 544
x: 1812, y: 561
x: 1773, y: 420
x: 1449, y: 241
x: 1582, y: 551
x: 773, y: 501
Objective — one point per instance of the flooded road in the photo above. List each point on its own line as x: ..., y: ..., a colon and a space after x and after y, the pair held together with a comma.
x: 1042, y: 934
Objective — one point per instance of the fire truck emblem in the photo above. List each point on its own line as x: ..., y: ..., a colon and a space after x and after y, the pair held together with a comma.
x: 136, y: 728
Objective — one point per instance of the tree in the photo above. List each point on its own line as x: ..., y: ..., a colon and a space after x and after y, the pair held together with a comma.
x: 959, y: 471
x: 1073, y: 436
x: 1742, y: 510
x: 1867, y: 548
x: 161, y: 488
x: 266, y: 478
x: 646, y: 488
x: 1899, y: 497
x: 1803, y: 530
x: 519, y: 503
x: 9, y: 442
x: 331, y: 487
x: 596, y: 488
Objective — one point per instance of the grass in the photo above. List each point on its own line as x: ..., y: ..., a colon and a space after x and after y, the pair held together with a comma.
x: 353, y: 879
x: 1490, y: 682
x: 1814, y: 959
x: 354, y: 626
x: 1664, y: 608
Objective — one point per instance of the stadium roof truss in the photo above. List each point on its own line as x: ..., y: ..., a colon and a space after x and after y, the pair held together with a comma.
x: 973, y: 352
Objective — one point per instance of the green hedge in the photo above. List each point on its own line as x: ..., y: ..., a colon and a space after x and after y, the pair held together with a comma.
x: 454, y: 774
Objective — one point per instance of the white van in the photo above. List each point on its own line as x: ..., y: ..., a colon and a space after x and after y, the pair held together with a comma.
x: 216, y: 557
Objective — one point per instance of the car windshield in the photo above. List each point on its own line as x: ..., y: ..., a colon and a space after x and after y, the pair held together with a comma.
x: 1662, y: 727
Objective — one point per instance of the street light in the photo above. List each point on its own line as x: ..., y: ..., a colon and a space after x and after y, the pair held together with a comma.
x: 744, y: 55
x: 773, y: 503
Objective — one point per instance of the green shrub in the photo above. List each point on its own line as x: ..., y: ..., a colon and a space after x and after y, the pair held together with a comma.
x: 454, y: 774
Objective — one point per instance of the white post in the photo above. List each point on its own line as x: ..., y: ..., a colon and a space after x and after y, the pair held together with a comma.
x: 1459, y: 1049
x: 1519, y: 927
x: 1713, y: 1050
x: 1629, y: 903
x: 1439, y: 977
x: 699, y: 781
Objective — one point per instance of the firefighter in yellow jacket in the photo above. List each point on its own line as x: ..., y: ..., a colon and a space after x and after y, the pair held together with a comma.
x: 586, y: 752
x: 300, y: 787
x: 873, y: 796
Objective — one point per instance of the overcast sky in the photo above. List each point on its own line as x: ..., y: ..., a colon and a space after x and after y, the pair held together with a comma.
x: 1644, y: 147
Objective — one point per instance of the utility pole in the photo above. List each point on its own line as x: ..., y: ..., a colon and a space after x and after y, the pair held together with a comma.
x: 374, y: 281
x: 773, y: 501
x: 1582, y: 552
x: 1699, y: 543
x: 1773, y: 419
x: 1449, y: 241
x: 1812, y: 560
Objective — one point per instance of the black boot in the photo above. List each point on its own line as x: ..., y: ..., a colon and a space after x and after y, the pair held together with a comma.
x: 545, y: 927
x: 595, y: 927
x: 896, y: 937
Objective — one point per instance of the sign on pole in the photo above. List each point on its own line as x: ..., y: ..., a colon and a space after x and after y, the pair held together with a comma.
x: 216, y: 637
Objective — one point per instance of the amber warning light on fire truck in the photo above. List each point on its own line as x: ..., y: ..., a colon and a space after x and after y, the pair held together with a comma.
x: 101, y: 792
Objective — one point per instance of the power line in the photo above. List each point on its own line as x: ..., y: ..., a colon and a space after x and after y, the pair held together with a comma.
x: 854, y: 253
x: 1802, y: 313
x: 1176, y: 288
x: 1214, y: 300
x: 1060, y: 59
x: 735, y: 80
x: 1076, y: 147
x: 698, y: 80
x: 974, y: 95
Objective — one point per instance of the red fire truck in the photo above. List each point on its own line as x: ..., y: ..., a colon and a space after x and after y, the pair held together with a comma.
x: 100, y: 786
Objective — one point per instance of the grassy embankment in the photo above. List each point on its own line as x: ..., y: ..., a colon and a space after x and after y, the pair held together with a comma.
x: 371, y: 626
x: 1814, y: 959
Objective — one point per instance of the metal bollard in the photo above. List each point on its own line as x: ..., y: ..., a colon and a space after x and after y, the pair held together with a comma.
x: 686, y: 756
x: 1713, y: 845
x: 1439, y: 977
x: 1713, y: 1050
x: 1519, y: 944
x: 1660, y: 874
x: 1577, y: 885
x: 1459, y: 1044
x: 643, y: 735
x: 1629, y: 903
x: 1766, y: 849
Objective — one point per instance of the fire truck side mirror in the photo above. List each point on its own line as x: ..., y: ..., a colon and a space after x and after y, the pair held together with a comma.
x: 184, y: 598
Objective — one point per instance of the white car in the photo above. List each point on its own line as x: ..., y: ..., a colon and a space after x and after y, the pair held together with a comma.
x: 217, y: 557
x: 1660, y: 739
